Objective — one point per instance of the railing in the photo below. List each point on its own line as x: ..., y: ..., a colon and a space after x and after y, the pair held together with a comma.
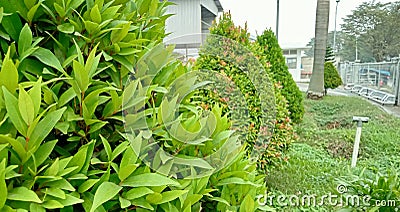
x: 376, y: 81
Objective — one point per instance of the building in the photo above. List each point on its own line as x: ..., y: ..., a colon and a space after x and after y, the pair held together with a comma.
x: 190, y: 22
x: 300, y: 66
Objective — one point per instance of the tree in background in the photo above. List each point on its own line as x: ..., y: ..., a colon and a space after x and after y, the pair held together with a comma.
x: 372, y: 28
x: 332, y: 78
x: 329, y: 55
x: 316, y: 86
x: 280, y: 73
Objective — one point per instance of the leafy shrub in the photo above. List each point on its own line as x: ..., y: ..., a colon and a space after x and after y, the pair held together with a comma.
x: 283, y: 133
x: 332, y: 78
x: 74, y: 76
x: 376, y: 191
x: 238, y: 65
x: 237, y: 187
x: 280, y: 74
x: 283, y: 136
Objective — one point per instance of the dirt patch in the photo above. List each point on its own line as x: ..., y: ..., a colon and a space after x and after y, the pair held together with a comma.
x: 340, y: 149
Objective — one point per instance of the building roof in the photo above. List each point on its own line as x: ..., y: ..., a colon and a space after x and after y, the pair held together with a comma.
x: 219, y: 6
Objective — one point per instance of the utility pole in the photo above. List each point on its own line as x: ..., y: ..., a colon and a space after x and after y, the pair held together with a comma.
x: 277, y: 20
x: 334, y: 32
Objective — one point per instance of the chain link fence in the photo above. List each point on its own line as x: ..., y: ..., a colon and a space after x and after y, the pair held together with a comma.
x: 383, y: 77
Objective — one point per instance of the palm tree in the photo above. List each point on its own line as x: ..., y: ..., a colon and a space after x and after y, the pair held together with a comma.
x: 316, y: 87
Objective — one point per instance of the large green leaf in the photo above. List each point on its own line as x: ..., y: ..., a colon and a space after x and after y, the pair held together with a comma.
x: 128, y: 164
x: 44, y: 127
x: 70, y: 200
x: 44, y: 151
x: 47, y: 57
x: 13, y: 112
x: 87, y: 185
x: 25, y: 39
x: 26, y: 107
x: 149, y: 179
x: 3, y: 186
x: 9, y: 73
x: 104, y: 193
x: 95, y: 14
x: 36, y: 94
x: 80, y: 157
x: 23, y: 194
x: 66, y: 28
x: 168, y: 196
x: 135, y: 193
x: 81, y: 76
x: 13, y: 25
x: 248, y: 204
x: 32, y: 12
x: 17, y: 146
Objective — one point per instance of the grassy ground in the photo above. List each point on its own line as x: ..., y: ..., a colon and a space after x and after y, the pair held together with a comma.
x: 323, y: 152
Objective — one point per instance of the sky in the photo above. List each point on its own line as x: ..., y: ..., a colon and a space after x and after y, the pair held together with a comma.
x: 296, y: 18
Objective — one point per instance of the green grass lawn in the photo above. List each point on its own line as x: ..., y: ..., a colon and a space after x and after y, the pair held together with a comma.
x: 323, y: 151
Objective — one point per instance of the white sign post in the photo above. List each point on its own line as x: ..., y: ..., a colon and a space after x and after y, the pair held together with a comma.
x: 359, y: 121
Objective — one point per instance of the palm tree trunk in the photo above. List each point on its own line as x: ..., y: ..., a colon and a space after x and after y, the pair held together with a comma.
x: 316, y: 87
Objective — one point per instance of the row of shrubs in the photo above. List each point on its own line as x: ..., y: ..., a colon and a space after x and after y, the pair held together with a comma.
x: 86, y: 113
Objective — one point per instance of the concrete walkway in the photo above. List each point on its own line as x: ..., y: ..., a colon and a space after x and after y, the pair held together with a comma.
x: 393, y: 110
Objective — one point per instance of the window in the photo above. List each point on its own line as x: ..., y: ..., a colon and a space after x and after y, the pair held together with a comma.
x: 290, y: 52
x: 291, y: 63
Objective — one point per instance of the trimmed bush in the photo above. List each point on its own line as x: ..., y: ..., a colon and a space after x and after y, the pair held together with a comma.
x: 284, y: 135
x: 273, y: 150
x: 332, y: 78
x: 226, y: 28
x: 280, y: 74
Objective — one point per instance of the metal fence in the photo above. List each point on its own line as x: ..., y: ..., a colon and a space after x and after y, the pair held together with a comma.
x: 382, y: 77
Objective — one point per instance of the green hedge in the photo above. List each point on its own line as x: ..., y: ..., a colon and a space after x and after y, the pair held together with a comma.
x: 332, y: 78
x: 282, y: 134
x: 280, y: 73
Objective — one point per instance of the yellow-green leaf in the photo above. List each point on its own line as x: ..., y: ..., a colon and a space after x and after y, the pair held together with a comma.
x: 26, y: 107
x: 32, y: 12
x: 36, y: 95
x: 87, y: 185
x: 95, y: 14
x: 44, y: 127
x: 104, y: 192
x: 66, y: 28
x: 25, y: 39
x: 81, y: 76
x: 247, y: 204
x: 149, y: 179
x: 60, y: 10
x: 29, y: 3
x: 3, y: 186
x: 9, y: 74
x: 47, y: 57
x: 11, y: 103
x: 23, y: 194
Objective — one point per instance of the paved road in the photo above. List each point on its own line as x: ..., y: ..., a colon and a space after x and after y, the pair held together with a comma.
x: 335, y: 92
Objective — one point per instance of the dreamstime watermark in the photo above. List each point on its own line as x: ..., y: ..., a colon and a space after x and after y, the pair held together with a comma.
x: 341, y: 199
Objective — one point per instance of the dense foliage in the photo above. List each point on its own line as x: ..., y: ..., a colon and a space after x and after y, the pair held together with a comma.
x: 378, y: 191
x: 332, y: 78
x: 83, y: 98
x: 280, y: 74
x: 274, y: 146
